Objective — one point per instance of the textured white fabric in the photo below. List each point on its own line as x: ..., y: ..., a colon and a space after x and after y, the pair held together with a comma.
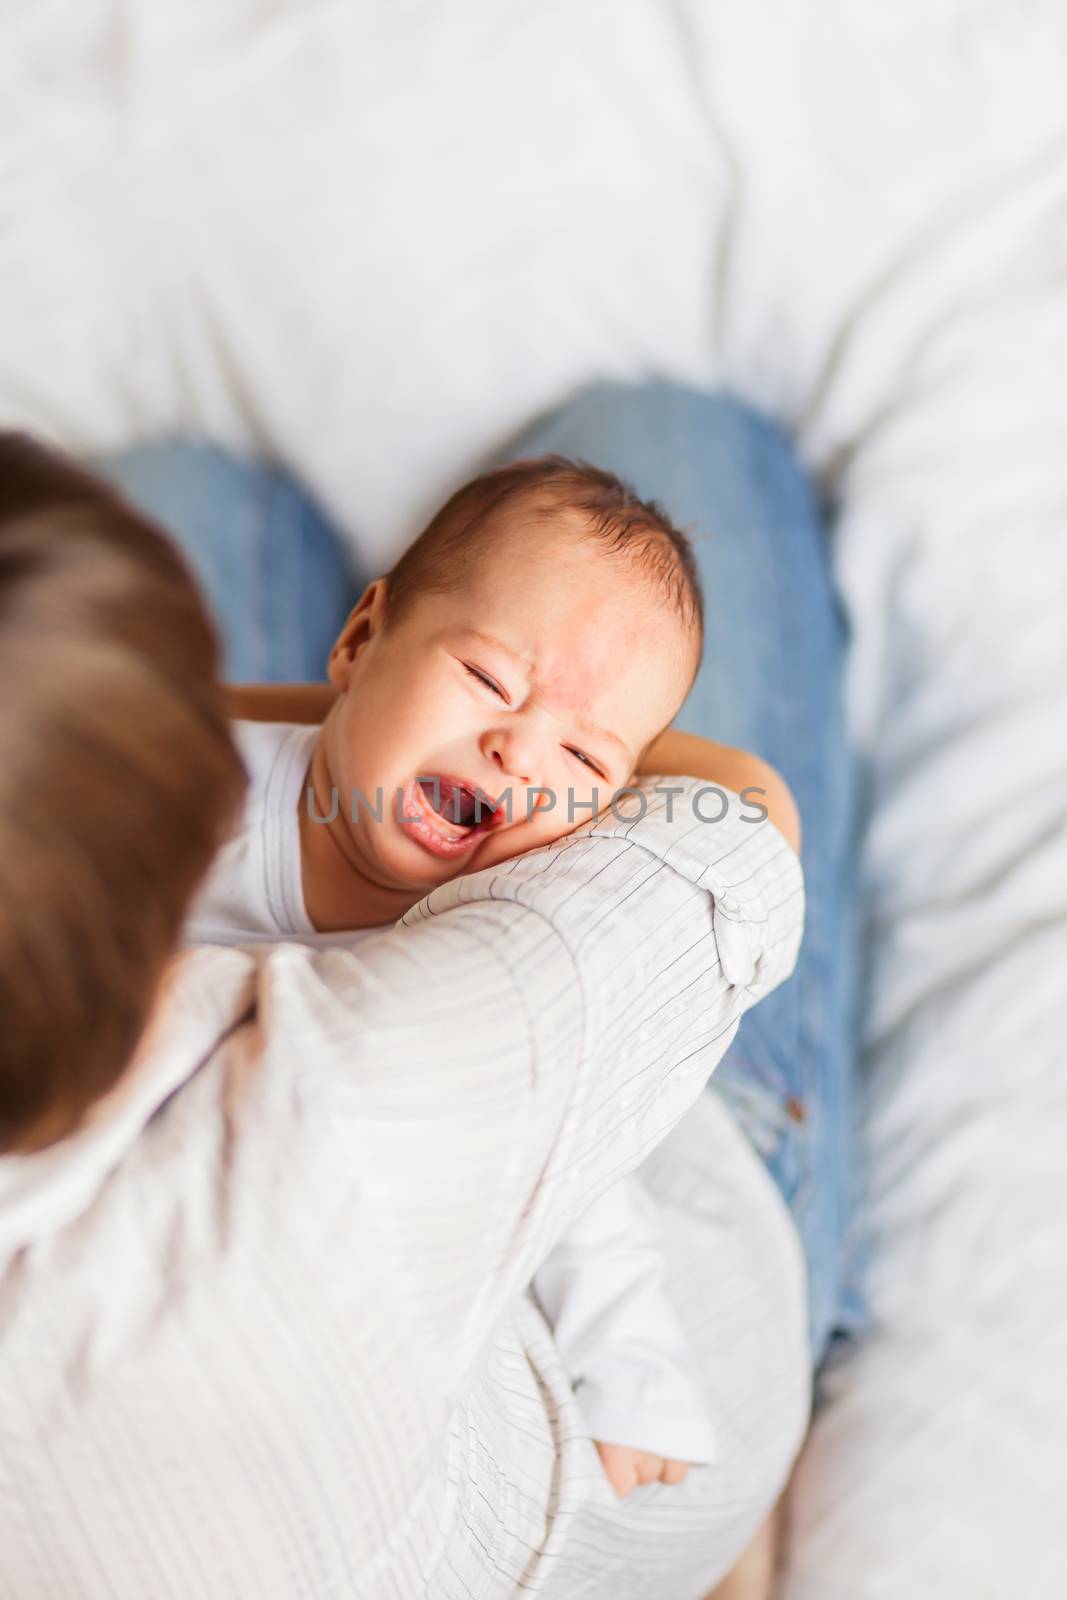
x: 373, y: 240
x: 254, y: 890
x: 604, y: 1286
x: 262, y: 1323
x: 604, y: 1289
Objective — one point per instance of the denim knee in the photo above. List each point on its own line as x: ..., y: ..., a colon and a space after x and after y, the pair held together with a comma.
x: 278, y: 578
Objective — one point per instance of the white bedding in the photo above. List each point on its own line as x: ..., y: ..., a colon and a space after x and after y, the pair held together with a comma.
x: 372, y: 240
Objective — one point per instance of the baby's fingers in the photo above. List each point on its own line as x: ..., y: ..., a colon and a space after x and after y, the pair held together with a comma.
x: 649, y: 1467
x: 626, y: 1468
x: 620, y: 1467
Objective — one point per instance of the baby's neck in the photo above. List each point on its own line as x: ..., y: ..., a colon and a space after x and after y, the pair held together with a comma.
x: 338, y: 894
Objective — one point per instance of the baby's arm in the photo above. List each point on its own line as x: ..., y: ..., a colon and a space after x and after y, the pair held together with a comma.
x: 603, y: 1290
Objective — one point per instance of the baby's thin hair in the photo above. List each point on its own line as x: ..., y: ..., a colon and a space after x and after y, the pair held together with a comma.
x: 606, y: 507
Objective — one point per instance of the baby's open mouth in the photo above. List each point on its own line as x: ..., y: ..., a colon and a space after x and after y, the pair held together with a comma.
x: 454, y: 802
x: 445, y: 814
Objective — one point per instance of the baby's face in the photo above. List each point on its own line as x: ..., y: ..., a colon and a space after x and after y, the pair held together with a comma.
x: 549, y: 670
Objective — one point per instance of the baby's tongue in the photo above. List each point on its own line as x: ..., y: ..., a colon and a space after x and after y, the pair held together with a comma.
x: 449, y: 800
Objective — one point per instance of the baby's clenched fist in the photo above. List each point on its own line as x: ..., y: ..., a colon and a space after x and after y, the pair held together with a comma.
x: 626, y: 1468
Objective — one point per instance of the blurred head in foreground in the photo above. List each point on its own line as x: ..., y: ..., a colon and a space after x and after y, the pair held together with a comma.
x: 118, y: 780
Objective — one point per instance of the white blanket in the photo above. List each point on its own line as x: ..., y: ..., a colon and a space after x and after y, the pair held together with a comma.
x: 372, y: 240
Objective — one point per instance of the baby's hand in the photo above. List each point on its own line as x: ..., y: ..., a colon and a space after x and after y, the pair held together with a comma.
x: 627, y: 1468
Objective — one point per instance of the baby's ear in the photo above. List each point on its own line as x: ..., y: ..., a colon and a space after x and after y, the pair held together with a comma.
x: 366, y: 618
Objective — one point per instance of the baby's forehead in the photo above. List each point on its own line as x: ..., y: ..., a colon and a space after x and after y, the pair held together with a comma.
x: 544, y: 537
x: 580, y: 581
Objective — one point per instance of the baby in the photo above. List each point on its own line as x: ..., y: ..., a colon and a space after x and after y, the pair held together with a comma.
x: 512, y: 672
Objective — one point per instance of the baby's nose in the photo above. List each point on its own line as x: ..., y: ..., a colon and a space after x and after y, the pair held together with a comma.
x: 513, y: 755
x: 512, y: 766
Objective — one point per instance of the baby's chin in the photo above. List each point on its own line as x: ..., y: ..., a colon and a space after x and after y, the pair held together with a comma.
x: 422, y: 871
x: 406, y: 854
x: 396, y: 859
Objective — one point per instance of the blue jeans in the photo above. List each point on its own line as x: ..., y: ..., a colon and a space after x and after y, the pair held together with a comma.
x: 770, y: 681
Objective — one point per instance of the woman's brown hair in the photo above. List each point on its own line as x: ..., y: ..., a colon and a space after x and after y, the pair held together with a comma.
x: 118, y: 780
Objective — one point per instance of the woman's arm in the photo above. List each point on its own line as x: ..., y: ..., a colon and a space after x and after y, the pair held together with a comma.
x: 676, y: 754
x: 279, y: 702
x: 526, y: 1034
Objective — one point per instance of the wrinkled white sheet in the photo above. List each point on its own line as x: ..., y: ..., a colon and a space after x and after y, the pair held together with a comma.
x: 372, y: 240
